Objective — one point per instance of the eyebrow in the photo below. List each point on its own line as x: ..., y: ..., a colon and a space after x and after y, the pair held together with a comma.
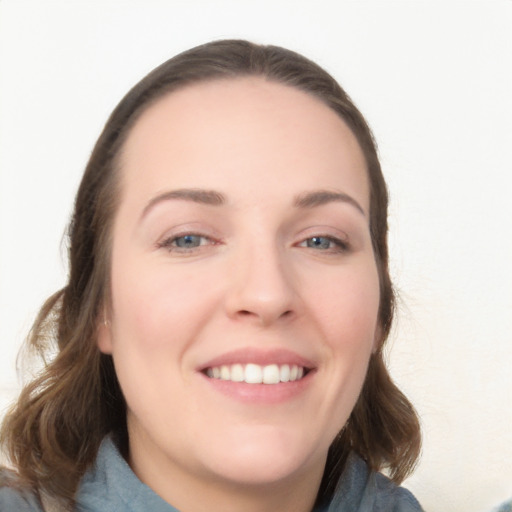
x: 305, y: 200
x: 195, y: 195
x: 321, y: 197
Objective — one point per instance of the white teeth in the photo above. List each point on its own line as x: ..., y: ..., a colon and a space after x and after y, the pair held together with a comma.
x: 253, y: 374
x: 256, y: 374
x: 271, y: 374
x: 225, y: 374
x: 237, y: 373
x: 285, y: 373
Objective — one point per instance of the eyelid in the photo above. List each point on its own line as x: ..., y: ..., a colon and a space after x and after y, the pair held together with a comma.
x: 339, y: 244
x: 168, y: 242
x: 324, y: 231
x: 339, y: 238
x: 189, y: 229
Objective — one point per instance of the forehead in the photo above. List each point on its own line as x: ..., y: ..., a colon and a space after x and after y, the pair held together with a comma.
x: 247, y: 130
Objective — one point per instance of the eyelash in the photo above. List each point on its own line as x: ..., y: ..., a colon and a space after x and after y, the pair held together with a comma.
x: 170, y: 243
x: 336, y: 245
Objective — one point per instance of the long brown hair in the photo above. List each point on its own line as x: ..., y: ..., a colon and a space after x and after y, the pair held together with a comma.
x: 53, y: 432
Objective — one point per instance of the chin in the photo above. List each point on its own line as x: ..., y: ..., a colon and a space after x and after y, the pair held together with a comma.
x: 259, y: 472
x: 266, y: 458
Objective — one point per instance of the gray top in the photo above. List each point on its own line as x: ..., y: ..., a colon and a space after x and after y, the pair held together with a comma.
x: 111, y: 486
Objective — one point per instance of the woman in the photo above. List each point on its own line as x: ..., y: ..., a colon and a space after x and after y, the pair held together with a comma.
x: 221, y: 334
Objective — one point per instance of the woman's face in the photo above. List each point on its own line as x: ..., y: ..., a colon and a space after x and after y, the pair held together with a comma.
x: 241, y: 252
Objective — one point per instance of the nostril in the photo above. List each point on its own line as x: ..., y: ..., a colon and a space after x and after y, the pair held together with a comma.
x: 246, y: 313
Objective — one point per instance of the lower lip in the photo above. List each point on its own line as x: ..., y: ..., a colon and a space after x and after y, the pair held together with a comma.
x: 260, y: 393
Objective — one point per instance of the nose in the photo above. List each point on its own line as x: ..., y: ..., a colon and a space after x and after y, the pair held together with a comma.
x: 261, y: 287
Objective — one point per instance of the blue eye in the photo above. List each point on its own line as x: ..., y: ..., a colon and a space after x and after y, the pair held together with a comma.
x: 319, y: 242
x: 325, y: 243
x: 184, y: 243
x: 187, y: 241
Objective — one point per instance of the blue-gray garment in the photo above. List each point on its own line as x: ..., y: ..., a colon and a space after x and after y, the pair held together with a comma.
x: 111, y: 486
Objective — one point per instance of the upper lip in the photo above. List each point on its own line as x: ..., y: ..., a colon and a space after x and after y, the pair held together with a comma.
x: 258, y: 356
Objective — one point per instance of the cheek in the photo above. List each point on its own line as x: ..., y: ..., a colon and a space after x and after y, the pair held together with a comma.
x: 348, y: 307
x: 159, y: 310
x: 346, y: 313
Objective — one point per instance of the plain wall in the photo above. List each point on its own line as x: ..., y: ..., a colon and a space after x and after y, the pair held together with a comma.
x: 434, y: 80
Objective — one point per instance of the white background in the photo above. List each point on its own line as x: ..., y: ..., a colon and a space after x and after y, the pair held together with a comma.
x: 435, y: 82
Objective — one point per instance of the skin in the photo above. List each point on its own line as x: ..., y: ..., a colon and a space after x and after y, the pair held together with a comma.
x: 254, y: 279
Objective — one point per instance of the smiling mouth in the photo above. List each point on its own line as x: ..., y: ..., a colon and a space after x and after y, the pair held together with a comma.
x: 257, y: 374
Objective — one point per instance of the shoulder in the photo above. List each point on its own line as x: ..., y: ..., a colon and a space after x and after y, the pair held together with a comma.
x: 504, y: 507
x: 387, y: 496
x: 363, y: 490
x: 14, y: 497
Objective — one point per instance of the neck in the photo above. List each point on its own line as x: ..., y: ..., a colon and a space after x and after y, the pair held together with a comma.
x: 236, y: 498
x: 189, y: 492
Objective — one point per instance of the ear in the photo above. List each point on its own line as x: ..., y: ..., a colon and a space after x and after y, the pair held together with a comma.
x: 104, y: 335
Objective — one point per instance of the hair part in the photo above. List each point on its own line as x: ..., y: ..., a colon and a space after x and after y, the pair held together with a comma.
x: 53, y: 432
